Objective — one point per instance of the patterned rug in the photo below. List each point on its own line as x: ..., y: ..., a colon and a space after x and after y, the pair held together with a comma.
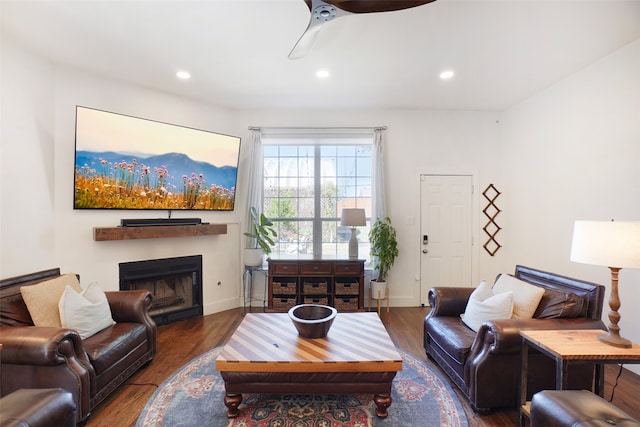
x: 193, y: 396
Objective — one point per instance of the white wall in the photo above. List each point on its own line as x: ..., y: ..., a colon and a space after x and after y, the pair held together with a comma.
x: 27, y: 175
x: 573, y: 153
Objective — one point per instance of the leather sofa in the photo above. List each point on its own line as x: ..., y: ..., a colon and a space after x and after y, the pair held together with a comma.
x: 486, y: 365
x: 38, y: 407
x: 576, y: 408
x: 49, y: 357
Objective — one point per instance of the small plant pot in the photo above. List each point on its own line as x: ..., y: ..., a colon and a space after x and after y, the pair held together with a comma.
x: 378, y: 289
x: 253, y: 257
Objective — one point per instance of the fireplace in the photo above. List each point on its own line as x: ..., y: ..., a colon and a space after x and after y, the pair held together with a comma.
x: 175, y: 283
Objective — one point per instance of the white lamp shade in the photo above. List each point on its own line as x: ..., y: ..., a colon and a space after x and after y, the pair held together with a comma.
x: 353, y: 217
x: 607, y: 243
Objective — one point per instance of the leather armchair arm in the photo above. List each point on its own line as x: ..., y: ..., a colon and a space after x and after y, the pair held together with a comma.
x: 503, y: 336
x: 30, y: 345
x: 130, y: 306
x: 446, y: 301
x: 134, y: 306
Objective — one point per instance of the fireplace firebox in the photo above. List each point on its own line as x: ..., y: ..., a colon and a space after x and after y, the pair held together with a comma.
x: 175, y: 283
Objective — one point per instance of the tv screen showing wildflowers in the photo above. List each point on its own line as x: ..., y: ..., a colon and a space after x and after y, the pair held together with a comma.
x: 125, y: 162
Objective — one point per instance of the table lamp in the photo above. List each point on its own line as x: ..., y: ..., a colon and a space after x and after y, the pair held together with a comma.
x: 352, y: 217
x: 614, y: 244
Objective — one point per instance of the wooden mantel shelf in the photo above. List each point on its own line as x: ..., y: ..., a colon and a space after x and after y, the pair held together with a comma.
x: 101, y: 234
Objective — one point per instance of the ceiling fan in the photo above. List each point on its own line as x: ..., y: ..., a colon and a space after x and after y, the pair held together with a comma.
x: 323, y: 11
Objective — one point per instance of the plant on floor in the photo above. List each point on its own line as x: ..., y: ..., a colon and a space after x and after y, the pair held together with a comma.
x: 384, y: 247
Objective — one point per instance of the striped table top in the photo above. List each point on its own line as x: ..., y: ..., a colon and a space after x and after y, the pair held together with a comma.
x: 268, y: 342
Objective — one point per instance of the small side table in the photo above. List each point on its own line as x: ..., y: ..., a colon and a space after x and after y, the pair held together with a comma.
x: 569, y: 347
x: 247, y: 280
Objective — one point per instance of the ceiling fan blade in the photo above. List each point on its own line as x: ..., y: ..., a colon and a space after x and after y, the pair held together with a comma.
x: 303, y: 46
x: 371, y: 6
x: 321, y: 13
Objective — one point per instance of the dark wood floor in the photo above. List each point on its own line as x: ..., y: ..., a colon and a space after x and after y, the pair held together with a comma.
x: 180, y: 342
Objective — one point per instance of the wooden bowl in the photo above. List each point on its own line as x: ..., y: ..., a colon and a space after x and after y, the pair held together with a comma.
x: 312, y: 320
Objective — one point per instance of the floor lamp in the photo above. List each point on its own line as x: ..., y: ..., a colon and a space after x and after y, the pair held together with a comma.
x: 352, y: 217
x: 614, y: 244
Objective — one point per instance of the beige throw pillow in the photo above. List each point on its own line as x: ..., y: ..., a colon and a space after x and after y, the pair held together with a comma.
x: 526, y: 296
x: 42, y: 299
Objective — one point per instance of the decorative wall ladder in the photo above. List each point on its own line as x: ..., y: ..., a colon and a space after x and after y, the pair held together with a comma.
x: 491, y: 228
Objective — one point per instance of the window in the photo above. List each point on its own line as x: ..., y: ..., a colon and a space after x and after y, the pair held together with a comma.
x: 307, y: 183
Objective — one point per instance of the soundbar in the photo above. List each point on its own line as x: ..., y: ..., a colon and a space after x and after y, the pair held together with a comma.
x: 159, y: 221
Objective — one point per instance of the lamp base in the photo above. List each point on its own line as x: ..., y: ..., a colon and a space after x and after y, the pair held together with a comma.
x: 353, y: 244
x: 614, y: 340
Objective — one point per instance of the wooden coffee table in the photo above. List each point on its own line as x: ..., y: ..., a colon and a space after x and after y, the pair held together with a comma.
x: 266, y: 355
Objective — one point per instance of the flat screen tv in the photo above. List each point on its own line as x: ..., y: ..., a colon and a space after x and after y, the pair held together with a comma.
x: 125, y: 162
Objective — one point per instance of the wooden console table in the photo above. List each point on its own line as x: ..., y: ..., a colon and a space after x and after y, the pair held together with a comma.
x: 338, y: 282
x: 568, y: 347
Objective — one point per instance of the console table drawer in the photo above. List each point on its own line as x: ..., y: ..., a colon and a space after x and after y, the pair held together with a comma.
x: 284, y: 268
x: 315, y: 268
x: 347, y: 268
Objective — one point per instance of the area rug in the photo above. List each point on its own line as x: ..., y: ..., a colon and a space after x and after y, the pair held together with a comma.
x: 193, y: 396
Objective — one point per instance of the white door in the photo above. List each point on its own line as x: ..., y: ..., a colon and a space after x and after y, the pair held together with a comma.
x: 446, y: 237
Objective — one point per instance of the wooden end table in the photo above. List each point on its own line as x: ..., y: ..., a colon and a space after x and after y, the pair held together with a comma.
x: 266, y: 355
x: 568, y: 347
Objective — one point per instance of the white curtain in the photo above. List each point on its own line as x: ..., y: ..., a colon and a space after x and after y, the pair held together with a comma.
x: 256, y: 165
x: 378, y: 194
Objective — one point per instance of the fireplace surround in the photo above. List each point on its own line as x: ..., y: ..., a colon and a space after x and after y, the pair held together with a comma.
x: 175, y: 283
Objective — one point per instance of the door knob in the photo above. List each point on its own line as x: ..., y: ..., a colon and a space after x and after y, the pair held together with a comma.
x: 425, y: 251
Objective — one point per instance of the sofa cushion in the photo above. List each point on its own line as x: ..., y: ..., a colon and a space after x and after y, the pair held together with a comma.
x: 557, y: 304
x: 42, y: 299
x: 526, y: 296
x: 450, y: 334
x: 484, y: 305
x: 112, y: 344
x: 87, y: 312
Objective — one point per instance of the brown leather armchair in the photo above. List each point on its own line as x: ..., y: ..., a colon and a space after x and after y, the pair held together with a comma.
x: 90, y: 369
x: 486, y: 365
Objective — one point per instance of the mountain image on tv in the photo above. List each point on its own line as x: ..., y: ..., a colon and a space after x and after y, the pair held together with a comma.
x: 125, y: 162
x: 166, y: 181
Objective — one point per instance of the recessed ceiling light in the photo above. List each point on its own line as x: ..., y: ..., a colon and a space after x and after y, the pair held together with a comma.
x: 183, y: 75
x: 446, y: 75
x: 322, y: 74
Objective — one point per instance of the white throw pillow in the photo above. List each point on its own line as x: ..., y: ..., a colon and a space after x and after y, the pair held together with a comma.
x: 526, y: 296
x: 42, y: 299
x: 483, y: 305
x: 87, y: 312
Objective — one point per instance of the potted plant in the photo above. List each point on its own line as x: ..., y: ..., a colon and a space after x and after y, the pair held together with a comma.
x: 262, y: 235
x: 384, y: 250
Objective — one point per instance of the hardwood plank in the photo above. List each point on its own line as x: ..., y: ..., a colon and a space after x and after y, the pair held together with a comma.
x: 180, y: 342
